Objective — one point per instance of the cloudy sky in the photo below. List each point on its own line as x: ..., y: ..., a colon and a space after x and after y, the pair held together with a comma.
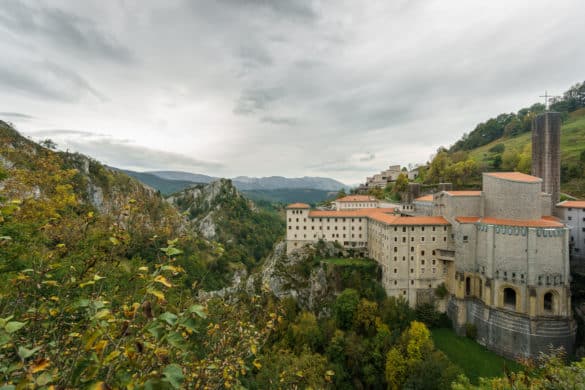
x: 283, y: 87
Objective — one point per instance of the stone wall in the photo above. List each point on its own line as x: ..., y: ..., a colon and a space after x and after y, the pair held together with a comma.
x: 509, y: 199
x: 511, y: 334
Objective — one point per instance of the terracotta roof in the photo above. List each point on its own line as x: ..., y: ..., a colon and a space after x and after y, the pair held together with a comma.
x: 398, y: 220
x: 577, y: 204
x: 464, y: 193
x: 426, y: 198
x: 515, y: 176
x: 298, y: 206
x: 543, y: 222
x: 350, y: 213
x: 357, y: 198
x: 551, y: 218
x: 467, y: 219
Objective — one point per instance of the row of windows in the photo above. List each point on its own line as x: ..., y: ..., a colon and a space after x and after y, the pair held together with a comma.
x: 321, y: 228
x: 571, y: 218
x: 328, y: 219
x: 332, y: 235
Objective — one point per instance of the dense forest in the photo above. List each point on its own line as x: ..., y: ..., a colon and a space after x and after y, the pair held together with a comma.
x: 100, y: 282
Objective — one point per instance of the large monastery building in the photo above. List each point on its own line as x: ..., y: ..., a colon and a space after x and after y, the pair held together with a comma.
x: 502, y: 257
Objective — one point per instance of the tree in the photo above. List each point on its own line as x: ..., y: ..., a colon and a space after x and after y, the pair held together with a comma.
x: 345, y: 308
x: 340, y: 194
x: 401, y: 184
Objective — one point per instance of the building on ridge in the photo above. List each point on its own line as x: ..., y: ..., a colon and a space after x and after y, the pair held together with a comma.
x: 501, y: 256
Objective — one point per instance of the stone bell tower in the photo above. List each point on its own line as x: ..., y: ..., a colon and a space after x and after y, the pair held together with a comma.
x: 546, y: 153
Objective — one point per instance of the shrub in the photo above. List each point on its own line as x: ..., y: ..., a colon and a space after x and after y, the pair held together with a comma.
x: 471, y: 331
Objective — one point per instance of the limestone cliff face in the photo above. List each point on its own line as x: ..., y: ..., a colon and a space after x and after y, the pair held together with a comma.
x: 296, y: 275
x: 203, y: 204
x: 108, y: 191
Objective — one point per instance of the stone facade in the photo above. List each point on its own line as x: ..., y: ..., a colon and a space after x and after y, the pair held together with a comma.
x: 572, y: 213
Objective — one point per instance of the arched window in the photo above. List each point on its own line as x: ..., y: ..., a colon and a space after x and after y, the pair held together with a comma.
x: 480, y: 289
x: 510, y: 298
x: 548, y: 302
x: 468, y: 286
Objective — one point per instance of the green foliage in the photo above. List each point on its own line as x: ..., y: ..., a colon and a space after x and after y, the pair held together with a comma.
x: 345, y: 308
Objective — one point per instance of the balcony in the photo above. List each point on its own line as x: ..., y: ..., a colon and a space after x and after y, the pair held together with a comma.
x: 445, y: 254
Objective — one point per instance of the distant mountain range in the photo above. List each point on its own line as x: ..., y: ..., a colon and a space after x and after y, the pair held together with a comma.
x: 273, y: 188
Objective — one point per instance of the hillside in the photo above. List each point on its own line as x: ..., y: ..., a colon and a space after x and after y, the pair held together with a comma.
x: 572, y: 148
x: 219, y: 212
x: 165, y: 186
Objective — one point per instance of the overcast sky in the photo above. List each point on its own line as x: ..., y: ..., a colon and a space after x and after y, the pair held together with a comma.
x: 294, y: 88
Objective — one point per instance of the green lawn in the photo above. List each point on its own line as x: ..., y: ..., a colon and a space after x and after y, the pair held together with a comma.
x: 350, y: 262
x: 475, y: 360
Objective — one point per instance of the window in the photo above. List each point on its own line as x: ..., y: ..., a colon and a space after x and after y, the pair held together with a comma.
x: 395, y: 270
x: 422, y: 253
x: 289, y: 227
x: 411, y: 239
x: 422, y: 262
x: 412, y: 282
x: 468, y: 286
x: 395, y: 249
x: 422, y: 238
x: 548, y: 302
x: 412, y: 270
x: 570, y: 218
x: 290, y: 219
x: 465, y: 238
x: 404, y: 229
x: 403, y: 239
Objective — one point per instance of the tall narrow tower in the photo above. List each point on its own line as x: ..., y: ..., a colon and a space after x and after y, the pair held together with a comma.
x: 546, y: 153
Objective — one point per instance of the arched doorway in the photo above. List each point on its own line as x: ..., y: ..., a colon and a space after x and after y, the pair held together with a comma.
x: 510, y: 298
x: 548, y: 303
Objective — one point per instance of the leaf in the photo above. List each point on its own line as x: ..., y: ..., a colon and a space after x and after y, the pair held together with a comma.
x: 61, y: 245
x: 162, y: 280
x: 176, y: 340
x: 168, y: 317
x: 98, y: 386
x: 86, y: 284
x: 40, y: 365
x: 114, y: 241
x: 81, y: 303
x: 96, y: 277
x: 257, y: 364
x: 44, y: 379
x: 25, y: 353
x: 171, y: 251
x: 172, y: 268
x: 143, y: 269
x: 13, y: 326
x: 156, y: 293
x: 5, y: 238
x: 199, y: 310
x: 173, y: 374
x: 102, y: 314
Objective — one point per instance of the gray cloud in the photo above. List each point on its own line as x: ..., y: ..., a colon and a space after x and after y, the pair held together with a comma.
x: 122, y: 154
x: 46, y: 80
x: 16, y: 115
x: 335, y: 88
x: 64, y: 29
x: 64, y: 132
x: 253, y: 100
x: 279, y: 120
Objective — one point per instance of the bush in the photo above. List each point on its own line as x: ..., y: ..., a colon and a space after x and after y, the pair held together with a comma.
x: 498, y: 148
x: 471, y: 331
x: 441, y: 291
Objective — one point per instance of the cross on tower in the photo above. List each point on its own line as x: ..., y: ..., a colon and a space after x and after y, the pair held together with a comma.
x: 546, y: 96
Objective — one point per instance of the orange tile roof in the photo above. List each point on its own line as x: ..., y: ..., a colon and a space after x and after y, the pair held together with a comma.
x: 577, y: 204
x: 551, y: 218
x: 351, y: 213
x: 425, y: 198
x: 298, y: 206
x: 515, y: 176
x: 543, y: 222
x: 357, y: 198
x: 398, y: 220
x: 464, y: 193
x: 467, y: 219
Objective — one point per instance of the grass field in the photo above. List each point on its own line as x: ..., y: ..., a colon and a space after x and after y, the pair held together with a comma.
x: 475, y: 361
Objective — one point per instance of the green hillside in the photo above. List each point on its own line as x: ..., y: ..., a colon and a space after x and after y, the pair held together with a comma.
x: 572, y: 148
x: 572, y: 141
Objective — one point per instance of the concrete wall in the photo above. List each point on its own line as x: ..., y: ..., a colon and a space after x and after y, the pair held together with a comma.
x: 511, y: 334
x: 454, y: 206
x: 508, y: 199
x: 574, y: 218
x: 546, y: 153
